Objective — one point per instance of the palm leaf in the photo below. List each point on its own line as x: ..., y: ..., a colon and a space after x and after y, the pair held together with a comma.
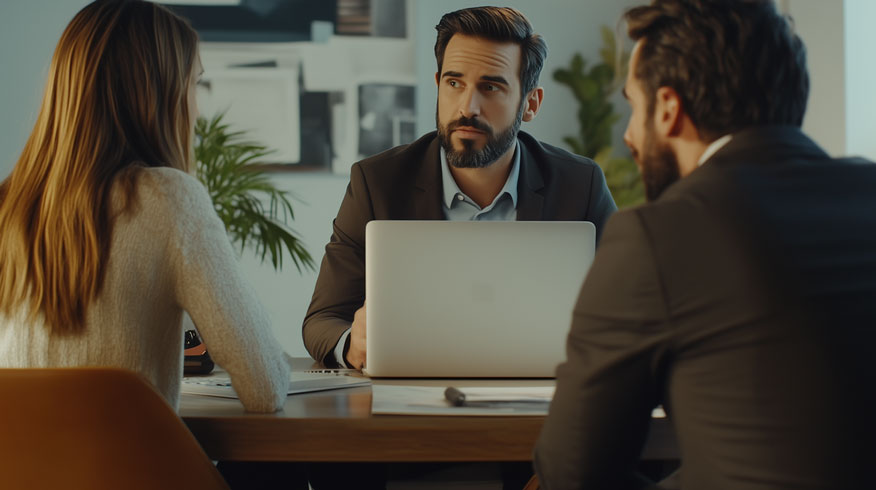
x: 224, y: 164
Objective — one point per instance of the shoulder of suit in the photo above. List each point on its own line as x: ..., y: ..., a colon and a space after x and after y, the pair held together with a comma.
x: 705, y: 195
x: 708, y: 181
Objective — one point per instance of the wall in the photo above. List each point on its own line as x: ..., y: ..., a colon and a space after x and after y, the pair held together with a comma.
x: 842, y: 101
x: 860, y: 83
x: 29, y: 31
x: 287, y: 294
x: 820, y: 25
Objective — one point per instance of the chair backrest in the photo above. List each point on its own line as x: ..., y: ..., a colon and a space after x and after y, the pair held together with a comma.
x: 94, y: 428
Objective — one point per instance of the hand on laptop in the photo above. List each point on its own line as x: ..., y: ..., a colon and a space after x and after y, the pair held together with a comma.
x: 356, y: 354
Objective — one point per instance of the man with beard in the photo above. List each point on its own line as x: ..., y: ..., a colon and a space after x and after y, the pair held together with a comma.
x: 478, y: 166
x: 742, y: 297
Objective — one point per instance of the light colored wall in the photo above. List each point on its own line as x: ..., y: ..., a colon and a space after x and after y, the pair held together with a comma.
x: 860, y: 83
x: 287, y: 294
x: 29, y: 31
x: 820, y: 24
x: 842, y: 101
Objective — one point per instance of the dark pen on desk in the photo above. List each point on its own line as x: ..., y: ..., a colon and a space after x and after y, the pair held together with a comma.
x: 454, y: 396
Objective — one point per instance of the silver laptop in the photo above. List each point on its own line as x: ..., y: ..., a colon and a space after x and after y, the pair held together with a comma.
x: 472, y: 299
x: 220, y: 385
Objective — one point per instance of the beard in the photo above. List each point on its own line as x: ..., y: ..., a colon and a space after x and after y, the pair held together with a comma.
x: 658, y: 164
x: 469, y: 156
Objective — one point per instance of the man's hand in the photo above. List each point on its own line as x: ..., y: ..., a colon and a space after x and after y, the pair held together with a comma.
x: 356, y: 354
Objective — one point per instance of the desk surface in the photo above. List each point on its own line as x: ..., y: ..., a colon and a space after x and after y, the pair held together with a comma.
x: 338, y: 425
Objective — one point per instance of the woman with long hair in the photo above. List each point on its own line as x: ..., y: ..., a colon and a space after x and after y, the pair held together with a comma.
x: 106, y: 239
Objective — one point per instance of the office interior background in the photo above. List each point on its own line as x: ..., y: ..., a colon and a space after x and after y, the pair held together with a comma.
x: 840, y: 116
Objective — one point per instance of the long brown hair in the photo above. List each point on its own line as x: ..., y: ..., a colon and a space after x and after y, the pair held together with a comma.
x: 116, y: 98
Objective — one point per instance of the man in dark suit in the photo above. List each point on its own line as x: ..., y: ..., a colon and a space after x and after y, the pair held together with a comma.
x: 477, y: 166
x: 742, y: 297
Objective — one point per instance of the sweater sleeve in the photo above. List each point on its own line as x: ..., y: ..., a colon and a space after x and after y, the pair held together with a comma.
x: 223, y: 306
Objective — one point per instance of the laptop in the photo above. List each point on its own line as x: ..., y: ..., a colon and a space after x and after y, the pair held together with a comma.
x: 300, y: 383
x: 450, y: 299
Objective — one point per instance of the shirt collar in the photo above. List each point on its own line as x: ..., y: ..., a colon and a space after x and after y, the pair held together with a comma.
x: 451, y: 190
x: 713, y: 148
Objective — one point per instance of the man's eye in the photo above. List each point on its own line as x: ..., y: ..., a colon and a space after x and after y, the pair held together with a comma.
x: 453, y: 83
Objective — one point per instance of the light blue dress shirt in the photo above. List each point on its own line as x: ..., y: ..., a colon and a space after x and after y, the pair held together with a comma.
x: 460, y: 207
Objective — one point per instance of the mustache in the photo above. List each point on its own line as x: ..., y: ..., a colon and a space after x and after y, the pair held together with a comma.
x: 470, y: 122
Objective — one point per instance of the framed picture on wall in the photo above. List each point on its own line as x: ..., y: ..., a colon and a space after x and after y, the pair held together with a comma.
x: 321, y: 83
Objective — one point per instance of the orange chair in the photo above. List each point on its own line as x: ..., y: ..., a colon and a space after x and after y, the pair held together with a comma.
x: 94, y: 428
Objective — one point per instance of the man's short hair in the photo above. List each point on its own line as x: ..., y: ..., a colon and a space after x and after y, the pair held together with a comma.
x: 499, y: 24
x: 733, y: 63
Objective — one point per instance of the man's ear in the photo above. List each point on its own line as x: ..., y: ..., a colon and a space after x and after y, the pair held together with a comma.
x: 436, y: 78
x: 668, y: 112
x: 533, y: 103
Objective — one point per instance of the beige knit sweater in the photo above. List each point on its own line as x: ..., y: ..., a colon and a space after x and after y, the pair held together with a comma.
x: 169, y: 253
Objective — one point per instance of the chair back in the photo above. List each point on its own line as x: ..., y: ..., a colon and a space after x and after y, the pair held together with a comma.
x: 95, y: 428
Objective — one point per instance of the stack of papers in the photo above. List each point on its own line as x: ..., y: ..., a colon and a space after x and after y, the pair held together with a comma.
x: 430, y: 400
x: 481, y: 401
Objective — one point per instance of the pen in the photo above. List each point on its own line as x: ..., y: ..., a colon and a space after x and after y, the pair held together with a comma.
x: 454, y: 396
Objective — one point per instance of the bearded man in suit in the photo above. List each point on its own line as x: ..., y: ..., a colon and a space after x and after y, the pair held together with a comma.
x: 742, y: 296
x: 477, y: 166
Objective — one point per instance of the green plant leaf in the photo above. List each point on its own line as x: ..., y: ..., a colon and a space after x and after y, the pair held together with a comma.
x: 239, y: 190
x: 596, y: 117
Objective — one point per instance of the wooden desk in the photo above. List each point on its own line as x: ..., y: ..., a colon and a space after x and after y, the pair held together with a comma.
x: 338, y: 426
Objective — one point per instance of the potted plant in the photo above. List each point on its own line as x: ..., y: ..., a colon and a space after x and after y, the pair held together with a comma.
x: 596, y: 116
x: 225, y: 165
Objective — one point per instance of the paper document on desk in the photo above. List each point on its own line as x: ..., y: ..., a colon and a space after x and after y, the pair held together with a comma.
x: 515, y: 394
x: 497, y: 401
x: 430, y: 400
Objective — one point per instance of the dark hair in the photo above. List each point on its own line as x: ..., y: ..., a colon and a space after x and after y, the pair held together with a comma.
x: 733, y: 63
x: 500, y: 24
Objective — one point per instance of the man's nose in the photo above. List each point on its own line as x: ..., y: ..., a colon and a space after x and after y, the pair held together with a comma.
x: 627, y: 140
x: 470, y: 105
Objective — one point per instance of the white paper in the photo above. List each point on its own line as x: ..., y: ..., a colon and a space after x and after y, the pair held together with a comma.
x: 429, y: 400
x: 486, y: 394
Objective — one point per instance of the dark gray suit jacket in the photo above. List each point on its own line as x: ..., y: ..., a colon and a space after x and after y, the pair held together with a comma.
x: 404, y: 183
x: 744, y: 300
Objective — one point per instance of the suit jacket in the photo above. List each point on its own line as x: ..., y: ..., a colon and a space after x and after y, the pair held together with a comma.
x: 404, y: 183
x: 744, y: 300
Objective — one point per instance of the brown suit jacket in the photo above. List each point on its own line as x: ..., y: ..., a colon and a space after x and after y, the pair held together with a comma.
x: 744, y: 300
x: 404, y: 183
